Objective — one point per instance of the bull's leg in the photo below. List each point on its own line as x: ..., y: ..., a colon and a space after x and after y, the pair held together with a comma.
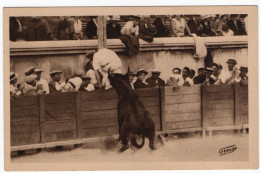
x: 124, y: 134
x: 151, y: 134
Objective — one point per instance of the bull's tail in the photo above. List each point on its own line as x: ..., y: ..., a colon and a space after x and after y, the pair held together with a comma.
x: 134, y: 143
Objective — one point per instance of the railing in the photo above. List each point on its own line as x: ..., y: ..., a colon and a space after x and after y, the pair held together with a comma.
x: 72, y: 118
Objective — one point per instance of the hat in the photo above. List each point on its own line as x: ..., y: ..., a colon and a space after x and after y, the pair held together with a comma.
x: 155, y: 71
x: 85, y: 77
x: 55, y: 72
x: 141, y: 71
x: 29, y: 71
x: 221, y: 15
x: 201, y: 69
x: 206, y: 16
x: 233, y: 15
x: 209, y: 69
x: 176, y: 70
x: 231, y: 61
x: 30, y: 78
x: 115, y: 17
x: 13, y: 76
x: 243, y: 68
x: 37, y: 70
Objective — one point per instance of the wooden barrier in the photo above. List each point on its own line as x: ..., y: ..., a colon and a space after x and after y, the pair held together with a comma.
x: 65, y: 118
x: 182, y: 109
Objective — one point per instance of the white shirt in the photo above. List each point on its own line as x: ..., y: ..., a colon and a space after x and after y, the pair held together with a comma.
x: 78, y: 26
x: 90, y: 87
x: 130, y: 29
x: 44, y: 84
x: 92, y: 74
x: 77, y: 81
x: 179, y: 26
x: 178, y: 79
x: 14, y: 90
x: 227, y: 74
x: 105, y: 59
x: 189, y: 80
x: 229, y: 33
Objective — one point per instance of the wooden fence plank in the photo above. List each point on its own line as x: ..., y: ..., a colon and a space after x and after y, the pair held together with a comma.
x: 183, y: 90
x: 98, y: 132
x: 183, y: 117
x: 183, y: 124
x: 156, y: 118
x: 237, y: 104
x: 162, y: 108
x: 28, y: 121
x: 218, y: 88
x: 24, y: 100
x: 147, y: 92
x: 25, y: 138
x: 99, y: 123
x: 90, y: 96
x: 175, y: 99
x: 183, y: 108
x: 204, y: 121
x: 58, y: 127
x: 102, y: 114
x: 153, y: 110
x: 99, y: 105
x: 66, y: 97
x: 25, y: 128
x: 221, y: 121
x: 219, y: 95
x: 150, y: 101
x: 60, y: 108
x: 219, y: 104
x: 42, y: 119
x: 244, y: 94
x: 60, y: 136
x: 244, y: 109
x: 244, y: 119
x: 108, y: 94
x: 24, y: 111
x: 220, y: 113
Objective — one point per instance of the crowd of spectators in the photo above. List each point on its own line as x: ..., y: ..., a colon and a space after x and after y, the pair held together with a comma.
x: 144, y: 27
x: 214, y: 75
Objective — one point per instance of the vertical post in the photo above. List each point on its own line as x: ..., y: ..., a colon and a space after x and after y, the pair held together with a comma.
x: 78, y: 114
x: 162, y: 107
x: 203, y: 110
x: 42, y: 120
x: 237, y: 113
x: 102, y: 33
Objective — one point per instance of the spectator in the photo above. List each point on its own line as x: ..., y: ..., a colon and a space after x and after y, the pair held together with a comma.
x: 201, y: 76
x: 219, y: 23
x: 194, y: 24
x: 86, y: 84
x: 162, y: 30
x: 55, y: 85
x: 103, y: 60
x: 74, y: 83
x: 91, y: 29
x: 186, y: 77
x: 78, y: 34
x: 15, y: 29
x: 113, y: 28
x: 231, y: 74
x: 215, y: 73
x: 29, y: 71
x: 15, y: 90
x: 178, y: 24
x: 131, y: 76
x: 206, y: 28
x: 236, y: 25
x: 91, y: 72
x: 155, y: 80
x: 243, y: 75
x: 42, y: 82
x: 209, y: 80
x: 226, y: 31
x: 140, y: 82
x: 131, y: 27
x: 192, y: 73
x: 146, y: 30
x: 30, y: 88
x: 66, y: 28
x: 176, y: 78
x: 220, y: 68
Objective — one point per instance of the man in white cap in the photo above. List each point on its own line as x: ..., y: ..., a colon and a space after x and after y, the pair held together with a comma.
x: 131, y: 27
x: 231, y: 74
x: 30, y: 88
x: 74, y: 83
x: 55, y: 85
x: 113, y: 28
x: 103, y: 60
x: 29, y: 71
x: 86, y: 84
x: 14, y: 89
x: 41, y: 81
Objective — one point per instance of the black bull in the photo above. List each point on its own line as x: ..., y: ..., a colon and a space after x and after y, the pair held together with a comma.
x: 133, y: 118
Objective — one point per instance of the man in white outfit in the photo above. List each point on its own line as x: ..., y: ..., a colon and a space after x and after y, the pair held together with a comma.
x: 41, y: 81
x: 104, y: 59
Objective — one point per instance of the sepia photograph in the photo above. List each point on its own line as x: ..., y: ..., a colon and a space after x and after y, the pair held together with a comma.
x: 141, y: 88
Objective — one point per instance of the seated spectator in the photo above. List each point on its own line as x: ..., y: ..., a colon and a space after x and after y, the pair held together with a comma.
x: 246, y: 23
x: 29, y: 71
x: 192, y: 73
x: 91, y: 72
x: 55, y: 85
x: 178, y: 24
x: 42, y: 82
x: 161, y: 28
x: 226, y: 31
x: 243, y: 75
x: 74, y: 83
x: 86, y: 85
x: 113, y: 28
x: 186, y: 77
x: 155, y: 80
x: 206, y: 28
x: 146, y: 30
x: 140, y: 82
x: 91, y: 29
x: 219, y: 23
x: 78, y: 34
x: 131, y: 27
x: 209, y: 80
x: 215, y: 73
x: 194, y: 24
x: 15, y: 29
x: 236, y: 25
x: 30, y: 88
x: 220, y: 68
x: 176, y: 78
x: 66, y: 28
x: 15, y: 90
x: 131, y: 76
x: 230, y: 75
x: 201, y: 76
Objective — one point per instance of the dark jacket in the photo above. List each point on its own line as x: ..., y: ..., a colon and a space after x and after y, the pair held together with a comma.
x: 65, y: 30
x: 152, y: 83
x: 91, y: 29
x: 52, y: 87
x: 38, y: 30
x: 162, y: 30
x: 199, y: 79
x: 139, y: 84
x: 146, y: 31
x: 193, y: 26
x: 113, y: 32
x: 237, y: 29
x: 206, y: 29
x: 132, y: 44
x: 13, y: 29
